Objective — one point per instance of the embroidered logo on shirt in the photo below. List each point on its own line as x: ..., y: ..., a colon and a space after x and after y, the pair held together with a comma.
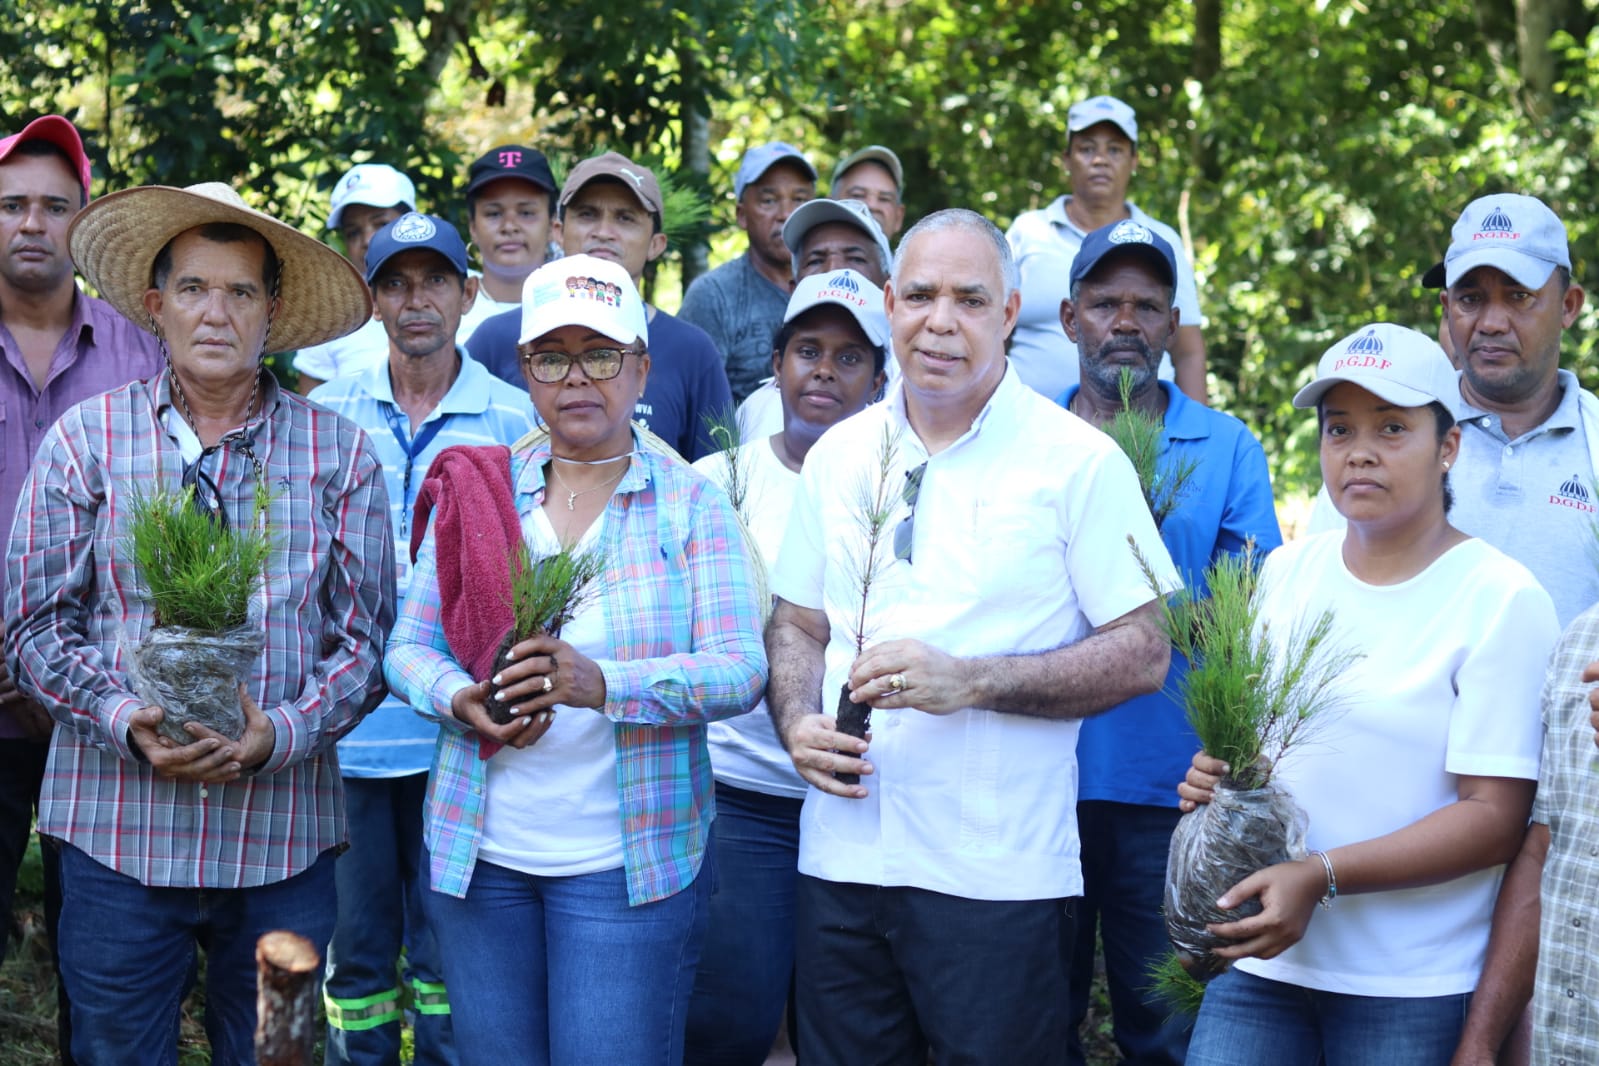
x: 1574, y: 494
x: 1496, y: 227
x: 1129, y: 232
x: 1364, y: 351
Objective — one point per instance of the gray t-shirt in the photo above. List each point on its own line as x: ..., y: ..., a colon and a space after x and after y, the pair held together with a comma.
x: 1534, y: 497
x: 742, y: 311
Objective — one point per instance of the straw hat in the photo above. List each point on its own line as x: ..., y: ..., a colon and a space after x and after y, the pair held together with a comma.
x: 115, y: 240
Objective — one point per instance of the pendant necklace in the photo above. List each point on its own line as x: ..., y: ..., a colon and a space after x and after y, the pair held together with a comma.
x: 572, y: 495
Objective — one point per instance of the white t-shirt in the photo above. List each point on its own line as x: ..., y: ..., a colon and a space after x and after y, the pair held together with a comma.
x: 484, y: 307
x: 1449, y: 685
x: 553, y: 809
x: 745, y: 751
x: 1020, y: 544
x: 346, y: 356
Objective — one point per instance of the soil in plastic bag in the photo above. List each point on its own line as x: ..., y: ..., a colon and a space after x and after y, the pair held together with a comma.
x: 500, y: 713
x: 1213, y: 848
x: 854, y: 719
x: 194, y: 675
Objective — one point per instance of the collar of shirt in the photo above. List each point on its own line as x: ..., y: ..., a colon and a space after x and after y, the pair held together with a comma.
x: 469, y: 394
x: 1004, y: 400
x: 1567, y: 414
x: 530, y: 477
x: 177, y: 426
x: 1056, y: 213
x: 1183, y: 420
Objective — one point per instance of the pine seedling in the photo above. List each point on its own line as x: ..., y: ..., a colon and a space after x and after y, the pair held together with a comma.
x: 1172, y: 982
x: 722, y: 427
x: 1250, y: 694
x: 1137, y: 434
x: 200, y: 573
x: 877, y: 498
x: 547, y: 594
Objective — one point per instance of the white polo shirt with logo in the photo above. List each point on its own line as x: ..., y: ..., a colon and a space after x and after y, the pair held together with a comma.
x: 1020, y: 544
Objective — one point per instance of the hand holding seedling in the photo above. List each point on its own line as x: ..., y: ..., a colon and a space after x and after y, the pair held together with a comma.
x: 211, y: 757
x: 819, y: 751
x: 1590, y: 674
x: 1288, y: 894
x: 546, y: 671
x: 932, y: 682
x: 1204, y: 774
x: 470, y: 707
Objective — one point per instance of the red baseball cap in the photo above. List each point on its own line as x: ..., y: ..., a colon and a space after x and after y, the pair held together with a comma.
x: 59, y: 132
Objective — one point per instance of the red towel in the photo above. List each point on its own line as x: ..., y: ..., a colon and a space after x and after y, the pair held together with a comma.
x: 475, y: 532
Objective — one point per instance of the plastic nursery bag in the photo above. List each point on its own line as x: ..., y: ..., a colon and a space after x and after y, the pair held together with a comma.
x: 194, y: 676
x: 1212, y: 849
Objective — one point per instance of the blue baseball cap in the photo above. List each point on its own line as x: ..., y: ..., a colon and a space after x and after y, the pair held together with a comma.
x: 759, y: 160
x: 1124, y: 236
x: 412, y: 231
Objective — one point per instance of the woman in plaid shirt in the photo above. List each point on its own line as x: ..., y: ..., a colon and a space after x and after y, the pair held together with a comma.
x: 566, y: 848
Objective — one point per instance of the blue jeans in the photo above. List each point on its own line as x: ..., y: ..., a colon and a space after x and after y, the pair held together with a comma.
x: 1250, y: 1021
x: 558, y: 971
x: 380, y: 881
x: 1124, y: 881
x: 887, y: 974
x: 128, y: 957
x: 747, y: 966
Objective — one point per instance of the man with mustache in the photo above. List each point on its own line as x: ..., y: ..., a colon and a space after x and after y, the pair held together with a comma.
x: 427, y: 395
x: 610, y: 208
x: 57, y: 346
x: 1120, y: 313
x: 741, y: 304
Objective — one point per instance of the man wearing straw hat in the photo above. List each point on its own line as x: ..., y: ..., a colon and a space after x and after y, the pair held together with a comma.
x: 216, y: 841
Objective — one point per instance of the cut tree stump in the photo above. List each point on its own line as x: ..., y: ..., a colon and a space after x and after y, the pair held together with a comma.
x: 287, y: 969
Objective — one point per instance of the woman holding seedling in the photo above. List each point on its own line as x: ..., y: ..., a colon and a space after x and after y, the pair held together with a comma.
x: 1419, y: 785
x: 828, y: 358
x: 570, y: 808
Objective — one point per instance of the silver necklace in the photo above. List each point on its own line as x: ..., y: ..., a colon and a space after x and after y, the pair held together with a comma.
x: 572, y: 495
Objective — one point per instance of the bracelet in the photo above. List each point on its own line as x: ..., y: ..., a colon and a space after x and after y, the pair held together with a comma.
x: 1332, y: 879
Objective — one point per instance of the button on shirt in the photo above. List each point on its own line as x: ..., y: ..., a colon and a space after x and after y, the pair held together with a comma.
x: 1044, y: 243
x: 1565, y: 1003
x: 99, y: 350
x: 326, y: 605
x: 478, y: 410
x: 1020, y: 544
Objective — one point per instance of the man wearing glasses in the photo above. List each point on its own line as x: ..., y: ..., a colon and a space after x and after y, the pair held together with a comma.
x: 219, y: 840
x: 428, y: 395
x: 932, y: 894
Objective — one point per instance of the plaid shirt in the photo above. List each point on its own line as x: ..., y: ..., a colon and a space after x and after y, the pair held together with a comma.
x: 74, y: 598
x: 1565, y: 1026
x: 684, y: 626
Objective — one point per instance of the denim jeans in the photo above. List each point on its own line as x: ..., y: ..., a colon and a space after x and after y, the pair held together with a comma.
x: 1250, y: 1021
x: 380, y: 881
x: 747, y: 966
x: 1124, y: 881
x: 21, y: 773
x: 128, y: 957
x: 887, y: 974
x: 560, y: 971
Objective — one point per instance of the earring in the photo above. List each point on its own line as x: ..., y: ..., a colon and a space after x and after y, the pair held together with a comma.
x: 1446, y: 466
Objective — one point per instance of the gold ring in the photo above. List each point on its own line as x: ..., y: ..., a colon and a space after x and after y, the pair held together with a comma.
x: 896, y: 682
x: 548, y: 684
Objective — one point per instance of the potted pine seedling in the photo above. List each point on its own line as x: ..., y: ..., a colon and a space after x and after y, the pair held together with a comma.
x: 1251, y: 695
x: 200, y: 574
x: 544, y: 596
x: 1138, y: 434
x: 874, y: 506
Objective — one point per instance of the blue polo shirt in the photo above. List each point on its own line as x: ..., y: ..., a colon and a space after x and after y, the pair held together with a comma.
x: 479, y: 410
x: 1138, y: 751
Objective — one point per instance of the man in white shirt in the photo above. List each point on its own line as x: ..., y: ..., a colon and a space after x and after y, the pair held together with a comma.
x: 1005, y: 605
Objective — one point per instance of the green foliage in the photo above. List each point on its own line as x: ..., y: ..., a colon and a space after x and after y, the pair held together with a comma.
x: 200, y: 575
x: 876, y: 499
x: 1138, y: 434
x: 1169, y: 980
x: 545, y: 595
x: 722, y: 427
x: 1250, y: 694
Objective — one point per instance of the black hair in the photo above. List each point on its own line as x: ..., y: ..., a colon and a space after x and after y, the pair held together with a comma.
x: 786, y: 331
x: 655, y: 216
x: 221, y: 233
x: 36, y: 148
x: 1443, y: 419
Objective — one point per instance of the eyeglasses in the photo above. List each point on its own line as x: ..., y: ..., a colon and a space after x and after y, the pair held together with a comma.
x: 905, y: 532
x: 600, y: 364
x: 204, y: 496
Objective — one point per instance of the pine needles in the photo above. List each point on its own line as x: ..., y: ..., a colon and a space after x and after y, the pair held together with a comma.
x: 200, y: 573
x: 722, y: 427
x: 875, y: 503
x: 1138, y: 434
x: 546, y: 595
x: 1169, y: 980
x: 1250, y: 694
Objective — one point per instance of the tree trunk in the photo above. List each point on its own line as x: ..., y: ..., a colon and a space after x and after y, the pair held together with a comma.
x: 1535, y: 23
x: 1207, y: 64
x: 696, y: 141
x: 287, y: 968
